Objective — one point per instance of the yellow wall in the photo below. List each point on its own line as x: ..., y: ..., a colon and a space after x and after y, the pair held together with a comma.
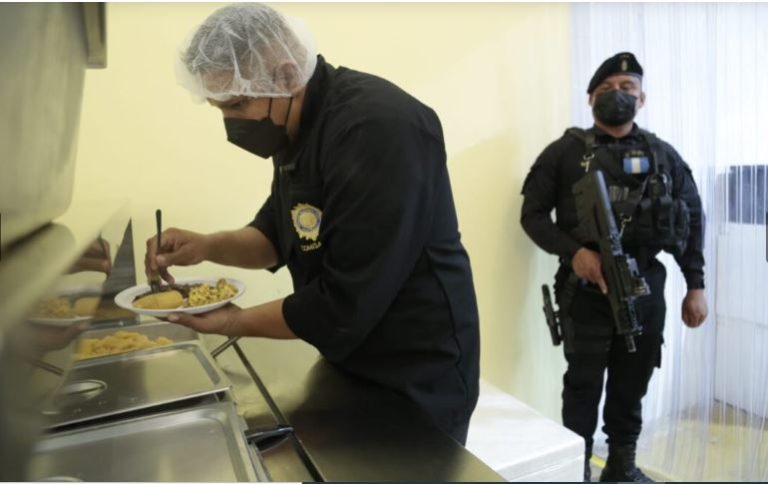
x: 497, y: 75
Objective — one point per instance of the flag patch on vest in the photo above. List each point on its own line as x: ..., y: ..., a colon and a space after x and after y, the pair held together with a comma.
x: 636, y: 165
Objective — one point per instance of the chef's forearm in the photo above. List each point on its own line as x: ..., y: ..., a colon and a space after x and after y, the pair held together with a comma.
x: 247, y: 247
x: 265, y: 321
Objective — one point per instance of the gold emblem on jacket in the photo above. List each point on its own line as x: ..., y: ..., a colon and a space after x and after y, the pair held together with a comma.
x: 306, y: 221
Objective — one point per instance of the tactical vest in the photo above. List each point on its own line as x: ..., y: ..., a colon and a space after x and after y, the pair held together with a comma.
x: 643, y: 204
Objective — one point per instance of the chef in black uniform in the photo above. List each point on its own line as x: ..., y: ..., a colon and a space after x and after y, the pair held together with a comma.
x: 626, y: 154
x: 361, y: 212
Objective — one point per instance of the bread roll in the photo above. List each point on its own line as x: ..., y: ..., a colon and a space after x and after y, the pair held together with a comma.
x: 86, y: 306
x: 160, y: 300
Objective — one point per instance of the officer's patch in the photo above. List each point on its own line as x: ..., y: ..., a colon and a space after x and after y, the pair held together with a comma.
x: 306, y: 220
x: 635, y: 165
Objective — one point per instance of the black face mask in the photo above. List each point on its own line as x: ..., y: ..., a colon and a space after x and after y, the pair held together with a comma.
x: 261, y: 137
x: 614, y: 108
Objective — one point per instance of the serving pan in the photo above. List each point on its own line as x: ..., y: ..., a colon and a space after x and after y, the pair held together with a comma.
x: 111, y: 385
x: 205, y: 443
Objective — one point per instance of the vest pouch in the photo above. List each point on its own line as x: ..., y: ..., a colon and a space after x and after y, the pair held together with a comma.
x: 681, y: 228
x: 640, y: 230
x: 672, y: 225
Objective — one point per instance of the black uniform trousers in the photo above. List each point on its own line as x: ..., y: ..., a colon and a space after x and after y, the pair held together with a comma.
x: 595, y: 347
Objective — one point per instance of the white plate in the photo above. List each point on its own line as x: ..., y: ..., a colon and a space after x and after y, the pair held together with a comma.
x: 63, y: 322
x: 125, y: 298
x: 72, y: 293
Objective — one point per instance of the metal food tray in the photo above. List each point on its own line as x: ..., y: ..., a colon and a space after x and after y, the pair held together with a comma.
x: 154, y: 330
x: 199, y: 444
x: 111, y: 385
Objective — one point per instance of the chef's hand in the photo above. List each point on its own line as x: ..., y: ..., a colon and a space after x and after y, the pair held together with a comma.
x: 180, y: 248
x: 218, y: 321
x: 586, y: 264
x: 694, y: 308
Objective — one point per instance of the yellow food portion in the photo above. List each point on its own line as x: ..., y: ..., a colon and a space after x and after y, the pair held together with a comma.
x: 160, y: 300
x: 56, y: 308
x: 86, y: 306
x: 203, y: 294
x: 119, y: 342
x: 107, y: 310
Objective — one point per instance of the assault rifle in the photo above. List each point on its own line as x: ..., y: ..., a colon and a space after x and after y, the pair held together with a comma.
x: 597, y: 225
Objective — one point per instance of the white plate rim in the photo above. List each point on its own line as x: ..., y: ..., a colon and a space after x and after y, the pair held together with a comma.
x: 63, y: 322
x: 125, y: 297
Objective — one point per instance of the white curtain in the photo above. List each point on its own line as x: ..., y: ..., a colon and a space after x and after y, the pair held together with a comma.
x: 706, y: 79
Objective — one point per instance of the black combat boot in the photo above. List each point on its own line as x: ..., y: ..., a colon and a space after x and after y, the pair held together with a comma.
x: 587, y: 468
x: 621, y: 467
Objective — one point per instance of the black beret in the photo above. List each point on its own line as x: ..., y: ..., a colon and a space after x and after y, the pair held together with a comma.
x: 621, y: 63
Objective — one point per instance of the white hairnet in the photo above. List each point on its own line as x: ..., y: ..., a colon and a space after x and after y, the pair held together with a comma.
x: 247, y: 49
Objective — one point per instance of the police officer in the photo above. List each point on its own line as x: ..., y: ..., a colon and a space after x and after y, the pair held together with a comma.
x: 361, y: 212
x: 657, y: 207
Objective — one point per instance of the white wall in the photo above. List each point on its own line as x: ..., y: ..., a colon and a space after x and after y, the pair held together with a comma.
x: 497, y: 74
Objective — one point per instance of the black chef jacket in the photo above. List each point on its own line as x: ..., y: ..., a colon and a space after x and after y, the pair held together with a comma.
x: 361, y: 212
x: 548, y: 186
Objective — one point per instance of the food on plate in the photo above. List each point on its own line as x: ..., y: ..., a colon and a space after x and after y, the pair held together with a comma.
x: 160, y: 300
x: 186, y: 295
x: 108, y: 310
x: 86, y: 306
x: 119, y: 342
x: 55, y: 308
x: 202, y: 294
x: 70, y: 306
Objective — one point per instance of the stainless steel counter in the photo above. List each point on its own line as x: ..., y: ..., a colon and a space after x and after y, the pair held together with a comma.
x: 349, y: 430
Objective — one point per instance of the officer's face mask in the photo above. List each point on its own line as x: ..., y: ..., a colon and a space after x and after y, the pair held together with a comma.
x: 614, y: 108
x: 261, y: 137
